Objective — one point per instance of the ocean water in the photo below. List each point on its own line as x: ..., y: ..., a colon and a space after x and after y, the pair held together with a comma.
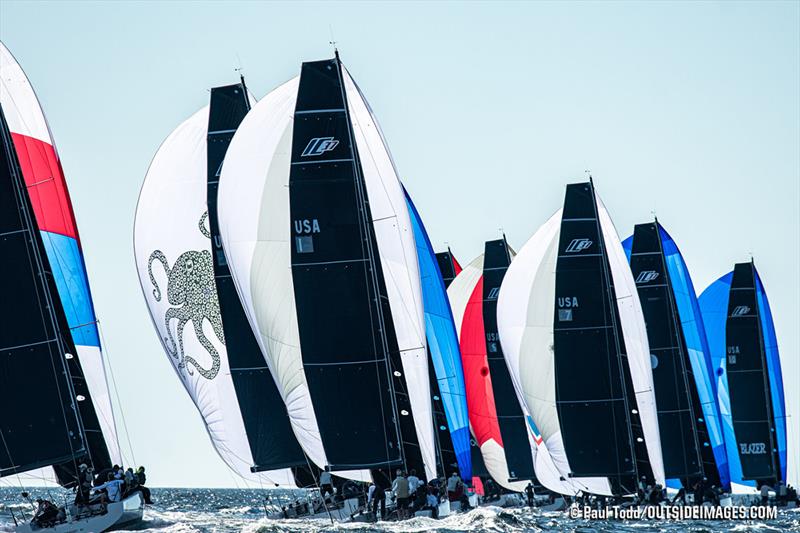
x: 242, y: 510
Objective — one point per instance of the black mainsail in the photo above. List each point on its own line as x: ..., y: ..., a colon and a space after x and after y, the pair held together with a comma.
x: 266, y: 422
x: 685, y: 442
x: 44, y: 428
x: 510, y: 418
x: 601, y: 430
x: 748, y: 381
x: 345, y: 324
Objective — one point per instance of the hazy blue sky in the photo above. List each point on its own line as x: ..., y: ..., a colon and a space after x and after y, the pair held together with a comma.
x: 688, y: 109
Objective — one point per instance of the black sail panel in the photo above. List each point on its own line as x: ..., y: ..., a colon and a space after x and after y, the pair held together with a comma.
x: 42, y: 428
x: 266, y: 422
x: 513, y: 427
x: 748, y: 380
x: 680, y: 417
x: 338, y: 282
x: 590, y: 382
x: 447, y: 266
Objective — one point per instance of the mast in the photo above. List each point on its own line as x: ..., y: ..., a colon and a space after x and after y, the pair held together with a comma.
x: 44, y: 428
x: 266, y: 422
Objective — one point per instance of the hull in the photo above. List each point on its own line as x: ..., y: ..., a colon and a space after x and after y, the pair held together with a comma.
x: 119, y: 515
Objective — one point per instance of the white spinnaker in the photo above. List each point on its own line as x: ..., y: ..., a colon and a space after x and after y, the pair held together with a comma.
x: 525, y: 310
x: 637, y: 346
x: 25, y: 116
x: 398, y: 254
x: 461, y: 288
x: 253, y: 206
x: 171, y: 219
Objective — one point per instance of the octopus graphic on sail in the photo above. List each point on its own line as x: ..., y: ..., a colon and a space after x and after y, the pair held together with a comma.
x: 191, y: 292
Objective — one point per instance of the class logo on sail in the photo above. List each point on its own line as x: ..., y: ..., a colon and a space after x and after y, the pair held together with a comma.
x: 646, y: 276
x: 319, y: 145
x: 741, y: 310
x: 578, y: 245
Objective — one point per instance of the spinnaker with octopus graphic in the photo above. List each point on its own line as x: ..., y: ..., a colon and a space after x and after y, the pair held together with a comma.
x: 176, y: 262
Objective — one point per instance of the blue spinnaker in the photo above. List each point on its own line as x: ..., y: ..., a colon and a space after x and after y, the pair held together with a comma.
x: 697, y: 346
x: 775, y: 373
x: 714, y: 308
x: 443, y: 344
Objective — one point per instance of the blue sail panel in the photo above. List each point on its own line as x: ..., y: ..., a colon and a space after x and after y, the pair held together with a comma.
x: 714, y: 309
x: 627, y: 245
x: 694, y: 333
x: 69, y: 272
x: 775, y: 373
x: 443, y: 344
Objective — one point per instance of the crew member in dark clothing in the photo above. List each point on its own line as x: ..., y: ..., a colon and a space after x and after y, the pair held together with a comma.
x: 680, y: 496
x: 382, y: 484
x: 529, y: 494
x: 46, y: 513
x: 141, y: 479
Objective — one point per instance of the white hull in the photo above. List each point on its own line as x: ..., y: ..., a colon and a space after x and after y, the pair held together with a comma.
x: 119, y: 515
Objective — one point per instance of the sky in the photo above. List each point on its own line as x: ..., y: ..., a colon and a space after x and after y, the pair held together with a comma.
x: 688, y: 110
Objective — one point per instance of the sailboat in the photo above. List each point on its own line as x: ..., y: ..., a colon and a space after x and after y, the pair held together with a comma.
x: 446, y: 375
x: 749, y: 381
x: 319, y: 242
x: 69, y: 421
x: 194, y: 308
x: 496, y: 418
x: 688, y: 414
x: 571, y: 317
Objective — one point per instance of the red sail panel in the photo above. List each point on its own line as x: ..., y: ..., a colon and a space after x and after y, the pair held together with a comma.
x: 47, y: 189
x: 478, y: 381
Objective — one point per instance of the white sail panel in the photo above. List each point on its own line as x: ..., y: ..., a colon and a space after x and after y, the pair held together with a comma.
x: 253, y: 205
x: 397, y: 250
x: 461, y: 289
x: 634, y: 332
x: 20, y: 105
x: 525, y: 311
x: 173, y: 257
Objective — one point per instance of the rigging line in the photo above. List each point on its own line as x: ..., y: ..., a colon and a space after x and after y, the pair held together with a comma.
x: 107, y: 359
